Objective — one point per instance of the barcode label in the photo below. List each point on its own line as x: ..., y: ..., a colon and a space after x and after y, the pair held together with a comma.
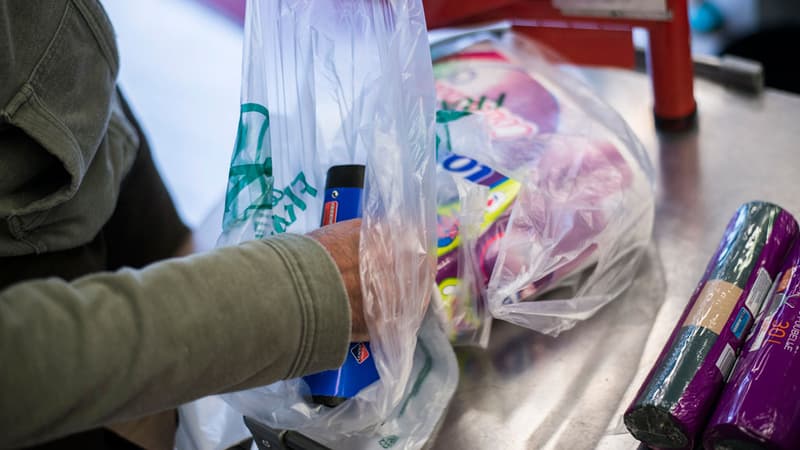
x: 726, y: 360
x: 774, y: 300
x: 762, y: 331
x: 733, y: 370
x: 759, y: 291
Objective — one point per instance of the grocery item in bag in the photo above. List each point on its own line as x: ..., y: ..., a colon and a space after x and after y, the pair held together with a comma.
x: 342, y: 201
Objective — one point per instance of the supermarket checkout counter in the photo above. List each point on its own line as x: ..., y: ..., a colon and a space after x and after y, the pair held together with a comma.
x: 532, y: 391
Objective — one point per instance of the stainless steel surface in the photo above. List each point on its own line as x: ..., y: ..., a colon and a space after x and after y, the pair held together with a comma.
x: 529, y: 391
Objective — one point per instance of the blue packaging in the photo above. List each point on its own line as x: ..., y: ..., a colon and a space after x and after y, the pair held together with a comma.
x: 343, y: 189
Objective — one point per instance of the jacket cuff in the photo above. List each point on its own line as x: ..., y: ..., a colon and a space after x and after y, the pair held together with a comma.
x: 324, y: 303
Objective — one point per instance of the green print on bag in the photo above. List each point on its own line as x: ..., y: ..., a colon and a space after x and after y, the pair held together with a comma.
x: 251, y: 191
x: 443, y: 117
x: 286, y: 200
x: 388, y: 442
x: 250, y: 180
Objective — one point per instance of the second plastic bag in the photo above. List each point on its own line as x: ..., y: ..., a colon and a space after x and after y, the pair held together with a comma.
x: 570, y: 199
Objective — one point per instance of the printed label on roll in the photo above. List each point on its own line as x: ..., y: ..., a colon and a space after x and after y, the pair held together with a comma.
x: 741, y: 322
x: 762, y: 332
x: 714, y: 305
x: 759, y: 291
x: 726, y: 360
x: 777, y: 295
x: 734, y: 369
x: 785, y: 279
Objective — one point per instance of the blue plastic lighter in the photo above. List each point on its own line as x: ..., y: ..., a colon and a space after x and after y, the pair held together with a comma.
x: 343, y: 188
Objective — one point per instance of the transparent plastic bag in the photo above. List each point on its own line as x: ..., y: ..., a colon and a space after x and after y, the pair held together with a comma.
x: 326, y: 83
x: 577, y: 183
x: 412, y: 422
x: 425, y: 399
x: 460, y: 292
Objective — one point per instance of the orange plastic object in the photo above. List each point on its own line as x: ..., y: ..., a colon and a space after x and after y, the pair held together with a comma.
x: 671, y: 71
x: 593, y: 47
x: 583, y: 40
x: 596, y: 41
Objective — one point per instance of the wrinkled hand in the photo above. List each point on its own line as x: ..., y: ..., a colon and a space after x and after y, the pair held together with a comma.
x: 341, y: 239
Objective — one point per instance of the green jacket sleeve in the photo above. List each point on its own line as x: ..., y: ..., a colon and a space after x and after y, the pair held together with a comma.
x: 113, y: 346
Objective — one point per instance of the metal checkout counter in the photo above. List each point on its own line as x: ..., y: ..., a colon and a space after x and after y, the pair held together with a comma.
x: 531, y: 391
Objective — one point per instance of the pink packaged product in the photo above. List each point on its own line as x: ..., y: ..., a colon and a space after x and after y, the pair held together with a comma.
x: 566, y: 187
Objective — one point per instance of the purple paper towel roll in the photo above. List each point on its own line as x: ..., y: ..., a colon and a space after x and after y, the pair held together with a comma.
x: 760, y: 406
x: 678, y: 396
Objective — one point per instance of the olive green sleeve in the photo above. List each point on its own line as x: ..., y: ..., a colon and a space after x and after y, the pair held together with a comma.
x: 118, y: 345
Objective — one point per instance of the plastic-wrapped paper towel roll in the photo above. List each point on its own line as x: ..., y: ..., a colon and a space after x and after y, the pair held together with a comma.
x: 674, y: 402
x: 760, y: 405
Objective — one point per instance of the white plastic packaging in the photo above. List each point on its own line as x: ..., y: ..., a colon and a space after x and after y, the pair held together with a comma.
x: 570, y: 206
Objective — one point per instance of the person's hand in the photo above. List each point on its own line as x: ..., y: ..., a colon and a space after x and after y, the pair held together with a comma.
x: 341, y: 240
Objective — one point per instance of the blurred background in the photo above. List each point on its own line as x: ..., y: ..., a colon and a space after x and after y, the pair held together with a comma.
x: 766, y: 31
x: 181, y: 68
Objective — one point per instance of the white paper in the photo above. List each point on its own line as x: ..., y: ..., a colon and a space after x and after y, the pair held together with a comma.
x: 616, y: 8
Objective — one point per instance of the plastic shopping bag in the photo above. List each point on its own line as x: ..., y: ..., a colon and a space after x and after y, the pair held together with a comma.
x: 212, y: 424
x: 427, y: 394
x: 459, y: 298
x: 326, y: 83
x: 570, y: 201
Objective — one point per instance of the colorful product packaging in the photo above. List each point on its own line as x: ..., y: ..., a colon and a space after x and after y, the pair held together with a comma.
x: 567, y: 196
x: 676, y: 399
x: 760, y: 405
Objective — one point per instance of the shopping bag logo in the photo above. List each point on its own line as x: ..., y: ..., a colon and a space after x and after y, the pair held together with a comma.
x: 250, y: 180
x: 252, y: 194
x: 359, y: 352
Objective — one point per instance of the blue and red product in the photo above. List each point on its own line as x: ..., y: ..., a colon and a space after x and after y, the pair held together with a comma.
x: 343, y: 188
